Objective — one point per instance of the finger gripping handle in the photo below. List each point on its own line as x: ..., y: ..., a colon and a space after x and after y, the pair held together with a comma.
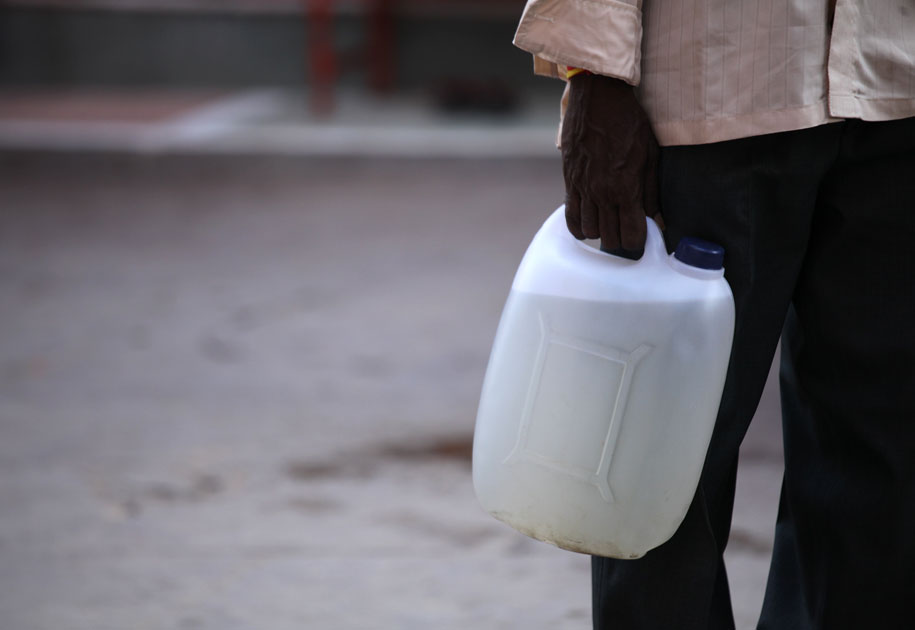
x: 655, y: 250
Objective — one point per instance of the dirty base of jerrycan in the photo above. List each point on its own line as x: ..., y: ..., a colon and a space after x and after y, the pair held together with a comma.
x: 602, y: 390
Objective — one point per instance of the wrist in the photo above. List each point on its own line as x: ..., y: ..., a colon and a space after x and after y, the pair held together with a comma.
x: 572, y: 72
x: 601, y: 83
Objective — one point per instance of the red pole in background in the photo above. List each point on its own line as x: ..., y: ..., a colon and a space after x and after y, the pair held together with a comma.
x: 377, y: 56
x: 380, y: 48
x: 322, y: 56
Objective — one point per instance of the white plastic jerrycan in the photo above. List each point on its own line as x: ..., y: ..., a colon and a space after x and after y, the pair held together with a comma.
x: 602, y: 390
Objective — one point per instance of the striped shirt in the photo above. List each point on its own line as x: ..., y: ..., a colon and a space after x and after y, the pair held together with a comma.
x: 712, y: 70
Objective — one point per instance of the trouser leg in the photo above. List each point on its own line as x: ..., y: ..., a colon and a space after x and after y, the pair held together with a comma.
x: 845, y: 540
x: 756, y: 197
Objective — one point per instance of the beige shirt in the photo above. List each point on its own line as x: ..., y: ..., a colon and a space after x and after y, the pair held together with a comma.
x: 711, y: 70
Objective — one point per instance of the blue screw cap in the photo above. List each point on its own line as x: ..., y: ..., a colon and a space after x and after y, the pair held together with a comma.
x: 698, y: 253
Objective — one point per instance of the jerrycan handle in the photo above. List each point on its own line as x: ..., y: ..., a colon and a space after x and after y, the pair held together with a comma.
x: 655, y: 250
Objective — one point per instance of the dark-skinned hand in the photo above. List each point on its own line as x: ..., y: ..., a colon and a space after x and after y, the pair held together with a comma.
x: 609, y: 160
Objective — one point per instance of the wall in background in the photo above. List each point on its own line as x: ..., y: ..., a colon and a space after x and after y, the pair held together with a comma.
x: 48, y: 46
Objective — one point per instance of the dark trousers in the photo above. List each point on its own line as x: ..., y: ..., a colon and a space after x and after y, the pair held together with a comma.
x: 818, y: 227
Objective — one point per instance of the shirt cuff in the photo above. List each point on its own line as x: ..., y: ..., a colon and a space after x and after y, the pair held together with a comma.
x: 603, y: 36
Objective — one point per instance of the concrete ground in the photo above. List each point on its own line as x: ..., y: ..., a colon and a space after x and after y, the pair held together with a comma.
x: 239, y: 393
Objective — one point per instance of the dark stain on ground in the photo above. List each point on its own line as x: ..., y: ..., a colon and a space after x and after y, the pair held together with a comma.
x: 206, y: 485
x: 362, y: 464
x: 454, y: 448
x: 163, y: 492
x: 219, y: 350
x: 200, y: 488
x: 521, y: 546
x: 305, y: 471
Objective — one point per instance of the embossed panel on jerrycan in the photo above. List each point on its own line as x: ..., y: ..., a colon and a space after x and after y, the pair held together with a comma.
x: 601, y: 392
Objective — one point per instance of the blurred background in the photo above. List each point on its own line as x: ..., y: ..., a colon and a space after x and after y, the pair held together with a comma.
x: 252, y: 258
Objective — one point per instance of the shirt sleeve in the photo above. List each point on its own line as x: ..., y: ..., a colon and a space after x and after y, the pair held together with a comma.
x: 602, y: 36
